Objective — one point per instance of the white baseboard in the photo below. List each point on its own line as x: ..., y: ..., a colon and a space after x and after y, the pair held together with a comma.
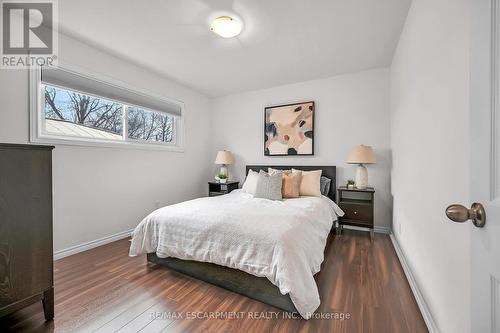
x: 90, y: 245
x: 377, y: 229
x: 424, y: 309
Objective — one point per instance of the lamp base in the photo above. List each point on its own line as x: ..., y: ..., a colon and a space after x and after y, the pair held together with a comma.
x: 361, y: 177
x: 223, y: 170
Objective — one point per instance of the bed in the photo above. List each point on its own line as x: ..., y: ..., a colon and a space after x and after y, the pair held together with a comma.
x: 263, y: 249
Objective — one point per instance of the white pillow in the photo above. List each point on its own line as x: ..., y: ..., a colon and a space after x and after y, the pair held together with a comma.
x: 250, y: 184
x: 310, y: 183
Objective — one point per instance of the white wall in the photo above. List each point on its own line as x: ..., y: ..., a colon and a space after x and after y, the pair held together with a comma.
x: 350, y: 110
x: 429, y: 139
x: 103, y: 191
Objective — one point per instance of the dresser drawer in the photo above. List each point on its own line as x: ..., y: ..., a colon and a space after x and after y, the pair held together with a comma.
x: 353, y: 211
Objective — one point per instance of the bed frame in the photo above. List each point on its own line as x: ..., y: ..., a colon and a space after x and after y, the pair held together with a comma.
x: 259, y: 288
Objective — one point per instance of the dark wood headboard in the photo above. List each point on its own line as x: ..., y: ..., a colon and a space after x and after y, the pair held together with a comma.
x: 327, y: 171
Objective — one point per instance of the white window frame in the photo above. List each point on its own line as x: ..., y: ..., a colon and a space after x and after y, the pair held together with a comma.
x: 37, y: 116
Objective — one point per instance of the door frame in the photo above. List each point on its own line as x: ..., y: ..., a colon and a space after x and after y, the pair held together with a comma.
x: 484, y: 170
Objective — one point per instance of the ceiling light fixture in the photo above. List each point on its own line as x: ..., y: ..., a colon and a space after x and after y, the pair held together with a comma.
x: 226, y: 26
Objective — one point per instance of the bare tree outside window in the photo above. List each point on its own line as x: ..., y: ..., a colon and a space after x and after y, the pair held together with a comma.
x: 94, y: 112
x: 149, y: 125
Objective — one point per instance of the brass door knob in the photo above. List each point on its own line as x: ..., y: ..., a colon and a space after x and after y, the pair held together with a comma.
x: 459, y: 213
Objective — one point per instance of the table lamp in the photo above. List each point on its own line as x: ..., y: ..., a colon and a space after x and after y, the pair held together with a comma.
x: 224, y: 158
x: 361, y: 155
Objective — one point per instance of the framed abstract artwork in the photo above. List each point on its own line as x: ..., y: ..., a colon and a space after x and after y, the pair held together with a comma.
x: 289, y: 129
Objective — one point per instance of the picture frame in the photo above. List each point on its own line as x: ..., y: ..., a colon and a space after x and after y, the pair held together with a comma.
x: 289, y: 129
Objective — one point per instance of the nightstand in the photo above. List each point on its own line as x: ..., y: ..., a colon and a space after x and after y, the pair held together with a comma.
x: 358, y: 207
x: 215, y: 189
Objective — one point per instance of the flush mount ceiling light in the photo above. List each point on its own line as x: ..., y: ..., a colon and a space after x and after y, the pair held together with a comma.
x: 226, y: 26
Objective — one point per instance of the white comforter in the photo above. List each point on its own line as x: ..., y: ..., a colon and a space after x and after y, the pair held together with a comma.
x: 281, y: 240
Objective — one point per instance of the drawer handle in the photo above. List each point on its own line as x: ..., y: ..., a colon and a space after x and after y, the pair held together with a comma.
x: 355, y: 212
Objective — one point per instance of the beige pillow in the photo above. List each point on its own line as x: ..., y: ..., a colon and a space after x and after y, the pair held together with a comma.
x: 291, y: 185
x: 310, y: 183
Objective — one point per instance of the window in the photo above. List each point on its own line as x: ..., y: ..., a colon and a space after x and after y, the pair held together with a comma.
x: 81, y: 110
x: 70, y: 113
x: 76, y: 114
x: 149, y: 125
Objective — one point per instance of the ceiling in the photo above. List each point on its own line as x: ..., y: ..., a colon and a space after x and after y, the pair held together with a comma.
x: 283, y: 41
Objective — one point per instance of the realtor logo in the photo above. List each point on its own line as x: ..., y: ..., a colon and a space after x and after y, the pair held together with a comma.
x: 28, y: 33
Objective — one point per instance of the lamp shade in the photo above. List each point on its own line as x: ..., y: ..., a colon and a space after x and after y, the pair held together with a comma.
x: 224, y: 157
x: 362, y: 155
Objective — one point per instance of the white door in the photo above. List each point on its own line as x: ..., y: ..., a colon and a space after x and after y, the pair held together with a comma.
x: 485, y: 163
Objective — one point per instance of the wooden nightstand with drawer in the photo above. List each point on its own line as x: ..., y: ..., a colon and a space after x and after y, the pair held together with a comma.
x: 358, y: 207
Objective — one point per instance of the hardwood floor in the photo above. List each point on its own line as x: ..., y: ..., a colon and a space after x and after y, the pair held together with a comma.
x: 103, y: 290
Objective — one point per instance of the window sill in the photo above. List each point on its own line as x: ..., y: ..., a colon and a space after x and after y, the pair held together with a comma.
x: 106, y: 144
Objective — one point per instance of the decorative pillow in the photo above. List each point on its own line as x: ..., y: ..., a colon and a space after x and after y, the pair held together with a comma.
x: 324, y: 185
x: 269, y: 186
x: 291, y: 185
x: 251, y: 182
x: 310, y: 184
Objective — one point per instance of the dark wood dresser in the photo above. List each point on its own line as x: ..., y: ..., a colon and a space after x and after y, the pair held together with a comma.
x: 26, y: 255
